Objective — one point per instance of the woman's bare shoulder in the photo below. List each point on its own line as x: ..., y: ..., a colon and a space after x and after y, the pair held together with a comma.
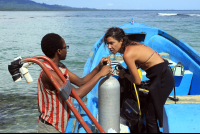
x: 130, y: 51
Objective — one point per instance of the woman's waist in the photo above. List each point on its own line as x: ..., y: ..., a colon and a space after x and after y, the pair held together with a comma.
x: 151, y: 65
x: 157, y: 68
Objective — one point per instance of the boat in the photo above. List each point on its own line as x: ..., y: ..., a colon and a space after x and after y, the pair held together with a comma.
x: 182, y: 117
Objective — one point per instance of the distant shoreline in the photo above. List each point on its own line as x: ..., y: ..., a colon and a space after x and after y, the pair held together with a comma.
x: 29, y: 5
x: 89, y: 10
x: 47, y: 10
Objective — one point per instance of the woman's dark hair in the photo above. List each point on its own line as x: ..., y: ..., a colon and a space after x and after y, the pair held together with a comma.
x: 117, y: 34
x: 51, y: 43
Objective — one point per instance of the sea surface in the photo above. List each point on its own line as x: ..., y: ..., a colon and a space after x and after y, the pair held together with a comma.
x: 21, y: 34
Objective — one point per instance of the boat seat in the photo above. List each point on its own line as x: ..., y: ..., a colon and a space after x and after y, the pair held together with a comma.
x: 186, y: 111
x: 181, y: 118
x: 187, y: 99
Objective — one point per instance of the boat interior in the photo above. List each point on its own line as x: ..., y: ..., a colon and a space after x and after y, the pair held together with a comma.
x: 183, y: 115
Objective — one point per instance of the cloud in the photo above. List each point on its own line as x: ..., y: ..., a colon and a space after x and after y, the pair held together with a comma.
x: 110, y: 4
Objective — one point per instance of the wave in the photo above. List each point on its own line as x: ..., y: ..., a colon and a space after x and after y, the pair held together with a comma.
x: 196, y: 15
x: 177, y: 14
x: 167, y: 14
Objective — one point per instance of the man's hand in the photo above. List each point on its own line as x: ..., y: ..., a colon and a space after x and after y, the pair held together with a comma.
x: 103, y: 60
x: 106, y: 70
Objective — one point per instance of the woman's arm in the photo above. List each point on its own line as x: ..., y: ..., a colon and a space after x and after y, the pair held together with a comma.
x: 122, y: 74
x: 130, y: 59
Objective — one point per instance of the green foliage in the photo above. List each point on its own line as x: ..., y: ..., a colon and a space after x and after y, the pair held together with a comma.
x: 29, y: 5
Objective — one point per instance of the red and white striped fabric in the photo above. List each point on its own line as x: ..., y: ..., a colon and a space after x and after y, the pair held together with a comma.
x: 52, y: 108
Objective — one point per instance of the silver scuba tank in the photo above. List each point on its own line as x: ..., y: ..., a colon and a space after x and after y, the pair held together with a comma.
x: 109, y: 104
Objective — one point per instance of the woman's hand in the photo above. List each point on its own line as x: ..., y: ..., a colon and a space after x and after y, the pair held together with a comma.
x: 121, y: 73
x: 106, y: 70
x: 104, y: 59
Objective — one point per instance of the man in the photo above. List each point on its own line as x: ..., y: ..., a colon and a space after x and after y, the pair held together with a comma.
x: 54, y: 111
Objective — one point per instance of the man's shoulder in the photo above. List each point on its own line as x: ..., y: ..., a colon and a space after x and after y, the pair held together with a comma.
x: 60, y: 64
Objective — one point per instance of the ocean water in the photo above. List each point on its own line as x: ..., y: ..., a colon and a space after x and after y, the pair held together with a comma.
x: 21, y: 34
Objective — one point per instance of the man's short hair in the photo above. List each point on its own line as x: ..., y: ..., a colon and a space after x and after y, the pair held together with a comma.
x: 51, y: 43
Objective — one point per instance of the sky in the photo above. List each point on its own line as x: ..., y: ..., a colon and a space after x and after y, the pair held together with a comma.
x: 128, y: 4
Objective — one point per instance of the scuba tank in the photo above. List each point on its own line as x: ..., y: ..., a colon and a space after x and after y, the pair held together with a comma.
x: 109, y: 104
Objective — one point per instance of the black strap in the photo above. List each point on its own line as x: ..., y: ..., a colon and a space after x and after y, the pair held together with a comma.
x: 45, y: 122
x: 174, y: 98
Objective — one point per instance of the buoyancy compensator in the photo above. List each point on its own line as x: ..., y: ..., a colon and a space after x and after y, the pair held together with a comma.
x: 130, y: 104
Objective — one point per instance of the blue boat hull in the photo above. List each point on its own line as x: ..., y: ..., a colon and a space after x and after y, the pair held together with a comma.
x: 162, y: 42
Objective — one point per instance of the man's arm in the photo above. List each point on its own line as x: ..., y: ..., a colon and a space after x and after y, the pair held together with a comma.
x: 81, y: 81
x: 83, y: 90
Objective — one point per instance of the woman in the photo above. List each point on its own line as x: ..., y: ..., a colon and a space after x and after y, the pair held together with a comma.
x: 137, y: 55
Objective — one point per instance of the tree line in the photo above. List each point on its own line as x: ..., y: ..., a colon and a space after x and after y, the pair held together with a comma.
x: 29, y: 5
